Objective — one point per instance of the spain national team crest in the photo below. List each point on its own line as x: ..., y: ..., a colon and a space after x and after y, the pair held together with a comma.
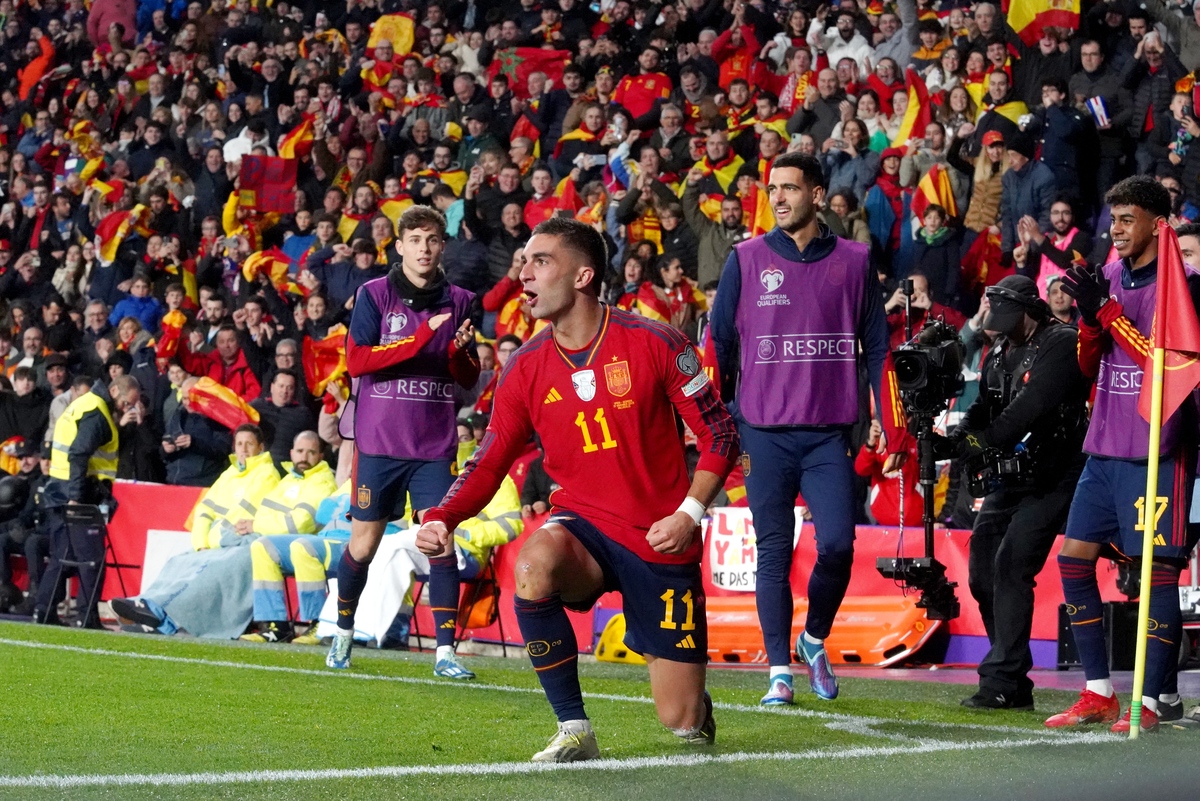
x: 616, y: 376
x: 584, y: 382
x: 364, y: 497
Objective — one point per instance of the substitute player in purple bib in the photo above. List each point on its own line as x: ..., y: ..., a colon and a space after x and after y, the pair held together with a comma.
x: 410, y: 341
x: 793, y: 311
x: 602, y: 387
x: 1116, y: 305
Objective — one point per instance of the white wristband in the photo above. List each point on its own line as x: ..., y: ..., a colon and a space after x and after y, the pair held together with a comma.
x: 692, y: 508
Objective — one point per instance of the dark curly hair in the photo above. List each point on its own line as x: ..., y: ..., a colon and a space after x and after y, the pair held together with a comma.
x: 1141, y: 191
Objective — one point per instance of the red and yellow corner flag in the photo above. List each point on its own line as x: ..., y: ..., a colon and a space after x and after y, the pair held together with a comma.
x: 1175, y: 329
x: 934, y: 188
x: 1175, y: 344
x: 919, y: 113
x: 1030, y: 18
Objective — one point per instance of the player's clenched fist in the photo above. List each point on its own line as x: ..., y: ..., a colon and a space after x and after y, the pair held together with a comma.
x: 433, y: 539
x: 672, y: 534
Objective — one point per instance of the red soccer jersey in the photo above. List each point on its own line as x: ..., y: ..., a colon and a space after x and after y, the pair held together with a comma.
x: 637, y: 93
x: 606, y: 420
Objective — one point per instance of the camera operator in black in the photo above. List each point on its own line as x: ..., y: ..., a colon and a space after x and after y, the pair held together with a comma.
x: 1032, y: 397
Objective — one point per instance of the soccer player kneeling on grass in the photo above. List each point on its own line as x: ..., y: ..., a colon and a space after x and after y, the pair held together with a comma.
x: 601, y: 388
x: 1116, y: 305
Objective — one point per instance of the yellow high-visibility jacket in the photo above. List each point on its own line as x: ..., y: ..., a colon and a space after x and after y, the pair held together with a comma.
x: 499, y: 523
x: 235, y: 496
x: 291, y: 506
x: 102, y: 463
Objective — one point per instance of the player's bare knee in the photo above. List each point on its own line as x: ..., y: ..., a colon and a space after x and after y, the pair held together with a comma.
x: 534, y: 571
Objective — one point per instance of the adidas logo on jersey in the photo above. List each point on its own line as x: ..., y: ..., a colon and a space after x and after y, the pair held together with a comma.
x: 552, y: 396
x: 686, y: 642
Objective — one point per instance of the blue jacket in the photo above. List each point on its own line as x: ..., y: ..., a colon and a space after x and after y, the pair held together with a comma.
x: 854, y: 174
x: 1028, y: 191
x: 147, y: 310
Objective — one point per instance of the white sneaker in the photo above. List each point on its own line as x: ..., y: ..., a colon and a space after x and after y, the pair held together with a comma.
x: 574, y: 742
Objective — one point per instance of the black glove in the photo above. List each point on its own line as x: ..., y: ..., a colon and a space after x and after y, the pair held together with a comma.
x: 944, y: 447
x: 971, y: 444
x: 1089, y: 287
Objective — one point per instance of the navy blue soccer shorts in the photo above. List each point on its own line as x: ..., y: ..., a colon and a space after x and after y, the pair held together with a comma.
x: 382, y: 485
x: 1109, y: 499
x: 664, y: 604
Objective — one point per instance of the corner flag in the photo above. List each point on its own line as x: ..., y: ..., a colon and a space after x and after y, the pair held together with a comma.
x: 1175, y: 344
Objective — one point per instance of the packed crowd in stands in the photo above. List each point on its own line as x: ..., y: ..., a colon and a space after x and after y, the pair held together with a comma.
x: 961, y: 149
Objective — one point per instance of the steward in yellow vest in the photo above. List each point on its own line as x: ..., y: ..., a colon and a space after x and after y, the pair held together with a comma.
x: 83, y: 465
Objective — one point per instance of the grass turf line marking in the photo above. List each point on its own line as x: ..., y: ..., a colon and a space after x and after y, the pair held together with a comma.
x: 801, y: 712
x: 526, y: 768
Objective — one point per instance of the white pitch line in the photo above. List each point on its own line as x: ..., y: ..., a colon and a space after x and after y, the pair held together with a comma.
x: 62, y: 782
x: 636, y: 699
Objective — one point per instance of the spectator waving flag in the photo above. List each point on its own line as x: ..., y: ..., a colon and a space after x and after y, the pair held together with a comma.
x: 518, y: 62
x: 274, y: 263
x: 758, y: 206
x: 268, y: 183
x: 1030, y: 18
x: 113, y: 229
x: 934, y: 188
x: 394, y: 28
x: 919, y: 113
x: 325, y: 359
x: 220, y: 403
x: 298, y: 142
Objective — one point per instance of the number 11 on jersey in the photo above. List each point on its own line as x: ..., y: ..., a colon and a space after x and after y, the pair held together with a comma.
x: 589, y: 445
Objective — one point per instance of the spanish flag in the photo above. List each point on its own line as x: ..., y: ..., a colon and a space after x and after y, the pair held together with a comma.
x: 455, y: 179
x: 113, y: 229
x: 298, y: 142
x: 325, y: 359
x: 580, y: 134
x: 934, y: 188
x: 757, y: 206
x: 393, y: 207
x: 168, y: 344
x: 1029, y: 18
x: 394, y: 28
x: 274, y: 263
x: 111, y: 190
x: 568, y: 198
x: 1011, y: 111
x: 919, y: 113
x: 649, y: 301
x: 220, y: 403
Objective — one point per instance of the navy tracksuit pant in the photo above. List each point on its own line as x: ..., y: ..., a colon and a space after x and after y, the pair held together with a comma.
x: 814, y: 462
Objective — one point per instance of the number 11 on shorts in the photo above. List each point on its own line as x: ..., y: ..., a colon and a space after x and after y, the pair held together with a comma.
x: 668, y: 621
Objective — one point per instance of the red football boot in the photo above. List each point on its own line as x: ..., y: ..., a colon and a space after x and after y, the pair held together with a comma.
x: 1149, y: 721
x: 1090, y: 708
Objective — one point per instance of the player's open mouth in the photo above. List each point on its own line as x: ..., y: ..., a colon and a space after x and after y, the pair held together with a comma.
x: 530, y: 297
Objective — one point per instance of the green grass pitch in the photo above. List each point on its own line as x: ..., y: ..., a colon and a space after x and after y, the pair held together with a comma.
x: 95, y: 715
